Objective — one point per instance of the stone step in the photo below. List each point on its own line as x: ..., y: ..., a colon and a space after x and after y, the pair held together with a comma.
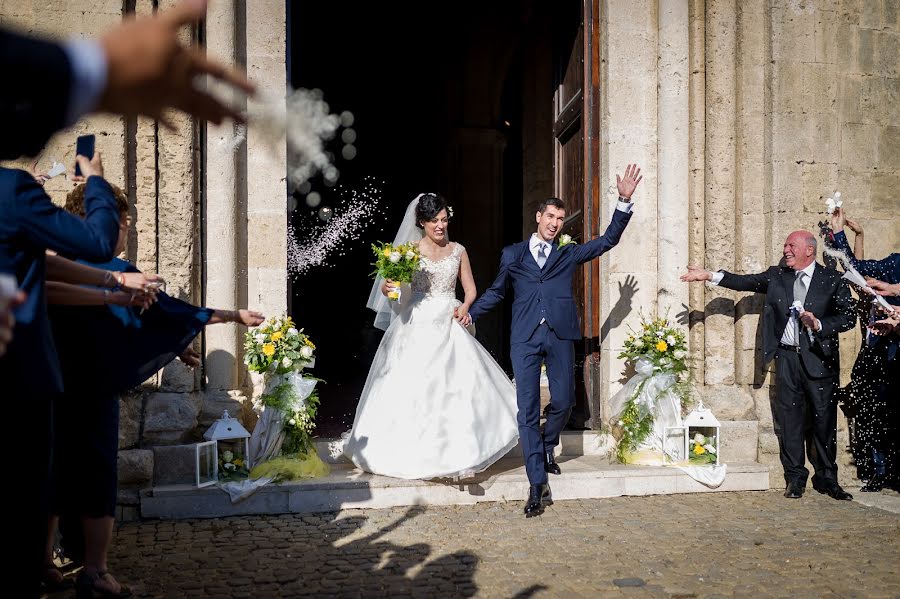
x: 586, y: 476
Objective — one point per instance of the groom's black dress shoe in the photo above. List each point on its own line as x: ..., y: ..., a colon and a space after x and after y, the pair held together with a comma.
x: 793, y: 491
x: 834, y: 491
x: 550, y: 464
x: 538, y: 497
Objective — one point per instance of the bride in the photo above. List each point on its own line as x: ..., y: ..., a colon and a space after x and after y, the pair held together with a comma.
x: 435, y: 403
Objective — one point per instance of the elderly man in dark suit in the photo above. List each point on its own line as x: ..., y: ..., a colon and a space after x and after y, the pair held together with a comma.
x: 806, y: 306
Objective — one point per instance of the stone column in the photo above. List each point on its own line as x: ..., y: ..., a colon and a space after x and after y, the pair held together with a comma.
x: 266, y: 249
x: 673, y: 181
x: 223, y: 174
x: 628, y: 134
x: 719, y: 219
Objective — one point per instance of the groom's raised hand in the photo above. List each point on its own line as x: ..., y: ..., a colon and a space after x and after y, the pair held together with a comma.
x: 628, y: 183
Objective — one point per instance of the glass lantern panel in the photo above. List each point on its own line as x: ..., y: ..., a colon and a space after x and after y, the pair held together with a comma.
x: 207, y: 471
x: 675, y: 437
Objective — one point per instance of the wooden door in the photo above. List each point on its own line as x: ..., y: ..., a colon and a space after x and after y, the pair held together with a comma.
x: 576, y: 139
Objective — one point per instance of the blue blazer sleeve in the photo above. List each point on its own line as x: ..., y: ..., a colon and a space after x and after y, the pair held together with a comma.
x: 34, y: 95
x: 495, y: 293
x: 883, y: 270
x: 610, y: 238
x: 46, y: 225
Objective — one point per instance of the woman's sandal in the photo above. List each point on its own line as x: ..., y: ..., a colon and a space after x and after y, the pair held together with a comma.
x: 54, y: 580
x: 86, y: 587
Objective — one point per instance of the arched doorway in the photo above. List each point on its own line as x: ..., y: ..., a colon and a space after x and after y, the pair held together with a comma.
x: 461, y: 103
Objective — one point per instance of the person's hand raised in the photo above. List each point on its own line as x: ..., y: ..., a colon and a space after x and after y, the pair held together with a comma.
x: 149, y: 70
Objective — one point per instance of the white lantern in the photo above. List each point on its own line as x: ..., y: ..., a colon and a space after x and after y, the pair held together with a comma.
x: 225, y: 454
x: 702, y: 431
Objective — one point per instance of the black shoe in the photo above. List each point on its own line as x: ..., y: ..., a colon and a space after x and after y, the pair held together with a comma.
x: 875, y: 484
x: 834, y: 491
x: 538, y: 497
x: 793, y: 491
x: 550, y: 464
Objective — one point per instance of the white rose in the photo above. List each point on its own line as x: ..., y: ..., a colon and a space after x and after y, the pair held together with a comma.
x: 670, y: 340
x: 395, y: 257
x: 227, y: 456
x: 678, y: 353
x: 286, y: 362
x: 699, y: 439
x: 410, y: 255
x: 260, y: 338
x: 292, y: 422
x: 306, y: 352
x: 293, y: 332
x: 659, y: 334
x: 229, y: 466
x: 621, y: 423
x: 564, y: 239
x: 710, y: 448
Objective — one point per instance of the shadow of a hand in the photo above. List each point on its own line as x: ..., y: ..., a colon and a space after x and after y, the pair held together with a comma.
x: 628, y: 288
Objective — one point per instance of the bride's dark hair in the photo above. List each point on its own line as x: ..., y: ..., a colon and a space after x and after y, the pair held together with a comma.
x: 429, y: 206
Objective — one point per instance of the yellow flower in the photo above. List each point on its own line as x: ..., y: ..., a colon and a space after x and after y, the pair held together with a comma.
x: 698, y: 449
x: 310, y: 343
x: 661, y: 346
x: 269, y: 349
x: 276, y: 336
x: 387, y: 252
x: 238, y: 462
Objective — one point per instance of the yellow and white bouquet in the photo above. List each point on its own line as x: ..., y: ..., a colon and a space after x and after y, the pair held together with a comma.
x: 278, y: 346
x: 660, y: 342
x: 396, y: 263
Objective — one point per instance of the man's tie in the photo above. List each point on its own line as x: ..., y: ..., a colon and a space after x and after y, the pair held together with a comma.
x: 542, y: 255
x: 799, y: 296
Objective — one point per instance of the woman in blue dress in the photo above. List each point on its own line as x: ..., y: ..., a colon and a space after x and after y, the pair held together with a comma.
x: 110, y: 339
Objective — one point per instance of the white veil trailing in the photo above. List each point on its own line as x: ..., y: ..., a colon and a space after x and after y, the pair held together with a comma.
x: 408, y: 231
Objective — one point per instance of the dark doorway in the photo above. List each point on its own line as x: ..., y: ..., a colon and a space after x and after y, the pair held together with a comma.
x: 438, y: 91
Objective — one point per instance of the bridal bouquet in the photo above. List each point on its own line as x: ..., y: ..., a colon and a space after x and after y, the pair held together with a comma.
x: 659, y: 391
x: 397, y: 263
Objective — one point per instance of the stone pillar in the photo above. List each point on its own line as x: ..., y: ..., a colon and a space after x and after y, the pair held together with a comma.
x: 628, y: 134
x: 673, y: 182
x: 719, y: 218
x: 266, y: 221
x: 223, y: 176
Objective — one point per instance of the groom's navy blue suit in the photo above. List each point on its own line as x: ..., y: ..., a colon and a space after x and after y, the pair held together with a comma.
x: 544, y: 327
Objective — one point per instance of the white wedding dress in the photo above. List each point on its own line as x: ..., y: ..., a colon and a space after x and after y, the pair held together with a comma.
x: 435, y: 404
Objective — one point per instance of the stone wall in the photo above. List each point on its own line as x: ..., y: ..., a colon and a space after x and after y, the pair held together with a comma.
x: 788, y: 102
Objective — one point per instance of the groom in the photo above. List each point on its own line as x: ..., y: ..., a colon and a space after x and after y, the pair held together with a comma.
x: 545, y: 326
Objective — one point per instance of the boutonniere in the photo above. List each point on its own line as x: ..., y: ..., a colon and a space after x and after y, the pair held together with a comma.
x: 565, y: 240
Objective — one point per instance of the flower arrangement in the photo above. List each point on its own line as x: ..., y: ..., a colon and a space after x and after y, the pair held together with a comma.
x: 299, y: 416
x: 565, y: 240
x: 278, y: 346
x: 664, y: 346
x: 232, y: 467
x: 397, y: 263
x: 702, y: 449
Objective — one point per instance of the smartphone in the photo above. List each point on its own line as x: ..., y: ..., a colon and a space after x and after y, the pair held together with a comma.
x: 84, y: 146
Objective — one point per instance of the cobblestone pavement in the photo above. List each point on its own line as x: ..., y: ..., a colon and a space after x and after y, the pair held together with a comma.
x: 704, y: 545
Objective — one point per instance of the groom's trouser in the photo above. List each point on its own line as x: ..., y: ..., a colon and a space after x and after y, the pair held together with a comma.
x: 559, y: 355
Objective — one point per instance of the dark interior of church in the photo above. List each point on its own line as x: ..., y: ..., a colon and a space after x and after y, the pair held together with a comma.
x: 422, y: 79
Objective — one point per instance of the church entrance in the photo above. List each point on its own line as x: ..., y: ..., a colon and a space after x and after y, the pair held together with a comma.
x: 476, y: 101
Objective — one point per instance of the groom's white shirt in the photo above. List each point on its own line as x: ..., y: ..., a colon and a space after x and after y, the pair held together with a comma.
x: 535, y: 242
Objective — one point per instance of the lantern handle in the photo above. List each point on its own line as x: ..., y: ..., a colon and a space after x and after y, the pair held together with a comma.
x: 225, y: 415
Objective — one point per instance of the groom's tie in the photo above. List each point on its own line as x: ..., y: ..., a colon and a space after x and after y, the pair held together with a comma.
x: 542, y: 255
